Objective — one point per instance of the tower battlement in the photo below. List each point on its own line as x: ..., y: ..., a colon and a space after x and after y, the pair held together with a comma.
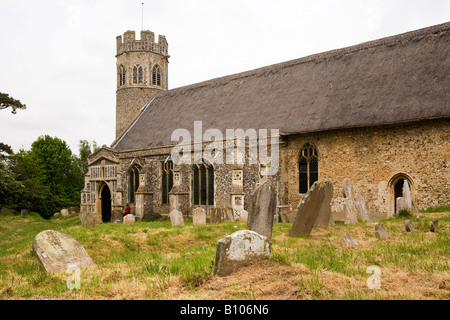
x: 146, y: 43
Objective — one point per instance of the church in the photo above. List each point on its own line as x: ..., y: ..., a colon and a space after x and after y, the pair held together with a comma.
x: 376, y: 113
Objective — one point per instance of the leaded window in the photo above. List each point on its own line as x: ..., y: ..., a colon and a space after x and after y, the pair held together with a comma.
x: 308, y: 167
x: 121, y: 75
x: 166, y: 180
x: 133, y: 184
x: 156, y: 76
x: 203, y: 184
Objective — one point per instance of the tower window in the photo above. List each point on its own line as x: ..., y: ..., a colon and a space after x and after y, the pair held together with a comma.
x: 156, y: 76
x: 308, y: 167
x: 138, y: 74
x: 121, y: 75
x: 166, y: 181
x: 203, y: 184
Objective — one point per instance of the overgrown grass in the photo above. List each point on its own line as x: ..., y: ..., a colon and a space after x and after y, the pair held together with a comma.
x: 440, y: 208
x: 154, y: 260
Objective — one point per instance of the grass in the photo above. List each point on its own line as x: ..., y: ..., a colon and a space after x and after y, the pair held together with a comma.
x: 153, y: 260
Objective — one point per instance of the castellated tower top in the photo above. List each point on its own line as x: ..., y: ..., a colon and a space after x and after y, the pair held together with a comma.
x: 147, y: 43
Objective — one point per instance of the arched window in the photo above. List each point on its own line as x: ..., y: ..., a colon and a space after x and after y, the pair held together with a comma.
x: 138, y: 74
x: 308, y: 167
x: 166, y: 181
x: 203, y: 184
x: 156, y: 76
x: 133, y: 184
x: 121, y: 75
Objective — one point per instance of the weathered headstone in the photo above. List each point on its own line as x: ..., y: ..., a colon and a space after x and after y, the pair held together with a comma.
x: 239, y: 249
x: 24, y: 213
x: 348, y: 240
x: 176, y: 218
x: 350, y: 213
x: 55, y: 251
x: 227, y: 214
x: 360, y: 205
x: 88, y: 219
x: 64, y: 212
x: 284, y: 213
x: 215, y: 215
x: 309, y: 209
x: 324, y: 218
x: 56, y: 214
x: 381, y: 232
x: 262, y: 209
x: 129, y: 219
x: 116, y: 215
x: 240, y: 215
x: 434, y: 226
x: 400, y: 205
x: 5, y: 211
x: 199, y: 216
x: 409, y: 227
x: 406, y: 192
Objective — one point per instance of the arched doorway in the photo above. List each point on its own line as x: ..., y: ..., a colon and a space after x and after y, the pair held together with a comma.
x: 396, y: 190
x: 106, y: 203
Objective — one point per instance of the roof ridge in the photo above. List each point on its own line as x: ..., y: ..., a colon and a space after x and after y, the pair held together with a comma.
x: 403, y: 38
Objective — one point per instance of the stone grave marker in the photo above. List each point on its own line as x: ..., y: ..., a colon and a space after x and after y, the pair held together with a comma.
x: 55, y: 251
x: 215, y: 215
x: 199, y: 216
x: 176, y: 218
x: 240, y: 215
x: 324, y: 217
x: 129, y: 219
x: 434, y: 226
x: 400, y: 205
x: 409, y: 227
x: 241, y: 248
x: 262, y: 209
x: 64, y: 212
x: 348, y: 240
x: 360, y: 205
x: 380, y: 231
x: 350, y: 213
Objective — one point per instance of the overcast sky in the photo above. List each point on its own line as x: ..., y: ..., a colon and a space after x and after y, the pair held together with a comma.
x: 58, y: 56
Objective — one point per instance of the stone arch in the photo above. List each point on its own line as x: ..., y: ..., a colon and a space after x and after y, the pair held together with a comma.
x: 104, y: 203
x: 394, y: 188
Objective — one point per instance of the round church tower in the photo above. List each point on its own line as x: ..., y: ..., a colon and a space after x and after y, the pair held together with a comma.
x: 142, y: 71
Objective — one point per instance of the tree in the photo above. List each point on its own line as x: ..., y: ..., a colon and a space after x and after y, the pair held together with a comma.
x: 9, y: 102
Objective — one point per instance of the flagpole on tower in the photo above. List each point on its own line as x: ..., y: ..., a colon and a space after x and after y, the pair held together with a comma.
x: 142, y: 16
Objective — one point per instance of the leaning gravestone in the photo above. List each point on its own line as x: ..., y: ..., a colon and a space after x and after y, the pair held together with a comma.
x: 239, y: 249
x: 409, y: 227
x: 199, y: 216
x: 380, y: 231
x: 324, y: 217
x: 64, y: 212
x: 262, y: 209
x: 55, y: 251
x: 360, y: 205
x: 309, y: 208
x: 176, y: 218
x: 348, y: 240
x: 434, y: 226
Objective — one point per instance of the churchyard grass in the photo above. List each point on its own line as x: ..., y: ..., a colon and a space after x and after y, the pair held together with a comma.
x: 154, y: 260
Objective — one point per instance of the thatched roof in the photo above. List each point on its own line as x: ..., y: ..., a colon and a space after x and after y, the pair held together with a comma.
x: 398, y: 79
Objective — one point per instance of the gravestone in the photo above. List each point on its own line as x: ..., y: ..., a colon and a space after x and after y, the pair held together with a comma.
x: 129, y: 219
x: 409, y: 227
x: 199, y: 216
x: 227, y: 214
x: 309, y: 208
x: 215, y: 215
x: 64, y: 212
x: 176, y: 218
x: 360, y: 205
x: 406, y: 193
x: 380, y: 231
x: 24, y: 213
x: 434, y: 226
x: 116, y: 215
x: 324, y: 218
x: 262, y: 209
x: 88, y: 219
x: 348, y: 240
x: 55, y: 251
x: 239, y: 249
x: 240, y: 215
x: 400, y: 205
x: 350, y: 213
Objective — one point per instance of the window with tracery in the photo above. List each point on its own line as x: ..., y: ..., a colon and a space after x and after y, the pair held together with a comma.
x: 133, y: 184
x: 166, y: 181
x: 156, y: 76
x: 138, y: 74
x: 308, y: 167
x: 203, y: 184
x: 121, y: 75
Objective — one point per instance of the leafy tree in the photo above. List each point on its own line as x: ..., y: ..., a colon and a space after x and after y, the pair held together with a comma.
x: 9, y: 102
x: 5, y: 150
